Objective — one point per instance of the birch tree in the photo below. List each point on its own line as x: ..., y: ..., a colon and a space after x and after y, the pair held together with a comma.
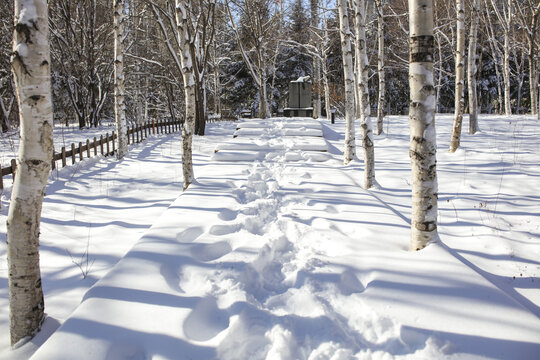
x: 188, y: 73
x: 31, y: 70
x: 496, y: 54
x: 316, y: 59
x: 472, y: 68
x: 505, y: 17
x: 460, y: 76
x: 529, y: 17
x: 422, y: 123
x: 346, y: 48
x: 8, y: 106
x: 363, y: 93
x: 255, y: 47
x: 381, y: 99
x: 119, y: 88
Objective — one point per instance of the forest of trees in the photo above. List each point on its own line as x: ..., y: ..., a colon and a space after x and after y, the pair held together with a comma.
x: 138, y: 60
x: 253, y: 49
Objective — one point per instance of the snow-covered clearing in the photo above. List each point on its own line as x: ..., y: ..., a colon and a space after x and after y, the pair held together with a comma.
x: 276, y: 252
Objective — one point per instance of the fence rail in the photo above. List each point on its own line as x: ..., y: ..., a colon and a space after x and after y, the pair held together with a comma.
x: 105, y: 145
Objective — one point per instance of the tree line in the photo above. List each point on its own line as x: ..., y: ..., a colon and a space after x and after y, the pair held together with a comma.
x: 132, y: 60
x: 254, y: 48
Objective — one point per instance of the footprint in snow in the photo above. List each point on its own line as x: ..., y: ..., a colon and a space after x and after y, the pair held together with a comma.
x: 228, y: 214
x: 170, y: 274
x: 189, y: 235
x: 349, y: 283
x: 206, y: 320
x: 220, y: 230
x: 331, y: 209
x: 125, y: 351
x: 209, y: 252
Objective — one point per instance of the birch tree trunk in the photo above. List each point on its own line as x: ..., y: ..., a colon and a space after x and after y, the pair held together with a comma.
x: 505, y: 18
x: 119, y: 88
x: 472, y: 69
x: 423, y: 147
x: 506, y: 73
x: 217, y: 83
x: 326, y: 87
x: 381, y: 101
x: 363, y: 94
x: 460, y: 76
x: 188, y: 74
x: 316, y: 61
x: 348, y: 75
x: 31, y: 70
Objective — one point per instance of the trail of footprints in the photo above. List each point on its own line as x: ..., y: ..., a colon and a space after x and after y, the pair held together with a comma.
x: 269, y: 274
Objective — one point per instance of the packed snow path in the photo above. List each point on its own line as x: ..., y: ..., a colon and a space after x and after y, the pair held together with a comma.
x: 287, y: 257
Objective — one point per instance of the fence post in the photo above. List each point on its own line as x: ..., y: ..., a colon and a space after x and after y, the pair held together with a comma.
x: 88, y: 148
x: 64, y: 162
x: 107, y: 141
x: 1, y: 179
x: 80, y: 151
x: 133, y: 135
x: 13, y: 168
x: 101, y: 143
x: 154, y: 126
x: 72, y: 153
x: 53, y: 162
x: 137, y: 131
x: 113, y: 142
x: 161, y: 127
x: 146, y: 129
x: 95, y: 146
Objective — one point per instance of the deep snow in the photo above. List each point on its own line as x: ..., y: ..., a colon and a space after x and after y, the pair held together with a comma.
x: 277, y: 252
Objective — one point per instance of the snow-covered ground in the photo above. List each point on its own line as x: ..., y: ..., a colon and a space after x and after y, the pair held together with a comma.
x: 278, y: 253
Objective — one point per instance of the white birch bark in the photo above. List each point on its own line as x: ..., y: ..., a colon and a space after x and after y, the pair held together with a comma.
x: 530, y: 28
x: 316, y: 60
x: 422, y: 123
x: 460, y: 77
x: 440, y: 72
x: 31, y: 70
x: 363, y: 94
x: 256, y: 70
x: 505, y: 18
x: 119, y: 88
x: 496, y: 55
x: 381, y: 100
x: 188, y: 74
x: 6, y: 112
x: 471, y: 68
x: 346, y: 48
x: 324, y: 68
x: 326, y: 87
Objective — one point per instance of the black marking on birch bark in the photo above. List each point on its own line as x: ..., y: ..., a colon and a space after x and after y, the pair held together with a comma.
x: 426, y: 226
x: 16, y: 58
x: 44, y: 62
x: 428, y: 89
x: 421, y: 48
x: 24, y: 30
x: 416, y: 155
x: 36, y: 98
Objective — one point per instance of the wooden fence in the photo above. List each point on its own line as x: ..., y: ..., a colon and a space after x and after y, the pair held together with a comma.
x: 105, y: 145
